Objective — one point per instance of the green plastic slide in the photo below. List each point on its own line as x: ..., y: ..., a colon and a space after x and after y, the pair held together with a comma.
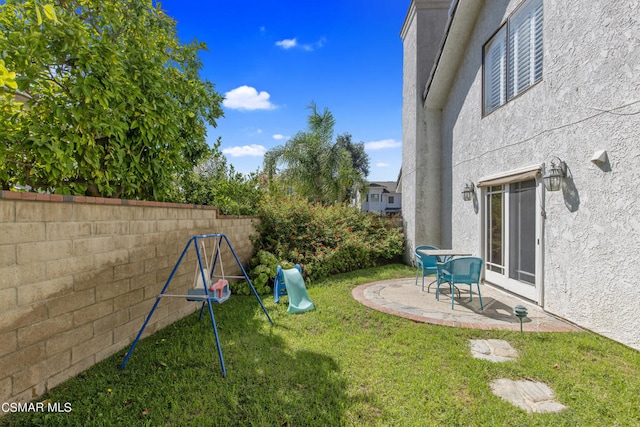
x: 299, y: 301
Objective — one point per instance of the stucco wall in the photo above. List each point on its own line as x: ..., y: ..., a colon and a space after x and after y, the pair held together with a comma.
x: 588, y: 100
x: 421, y: 35
x: 409, y: 123
x: 79, y: 275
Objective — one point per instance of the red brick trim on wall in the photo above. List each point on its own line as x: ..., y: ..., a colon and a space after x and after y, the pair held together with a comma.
x: 44, y: 197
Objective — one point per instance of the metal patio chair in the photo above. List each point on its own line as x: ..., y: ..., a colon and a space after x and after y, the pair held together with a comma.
x: 460, y: 271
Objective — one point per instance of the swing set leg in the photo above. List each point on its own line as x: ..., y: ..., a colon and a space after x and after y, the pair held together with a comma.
x: 215, y: 332
x: 246, y: 276
x: 135, y: 342
x: 201, y: 311
x: 155, y: 305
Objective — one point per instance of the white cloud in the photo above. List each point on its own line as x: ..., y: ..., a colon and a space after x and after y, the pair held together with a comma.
x: 381, y: 145
x: 279, y: 137
x: 382, y: 165
x: 316, y: 45
x: 247, y: 98
x: 287, y: 43
x: 309, y: 47
x: 253, y: 150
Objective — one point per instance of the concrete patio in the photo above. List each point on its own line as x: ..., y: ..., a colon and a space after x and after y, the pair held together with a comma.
x: 401, y: 297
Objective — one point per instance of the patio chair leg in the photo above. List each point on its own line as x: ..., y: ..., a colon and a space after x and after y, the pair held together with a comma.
x: 453, y: 294
x: 429, y: 287
x: 480, y: 297
x: 456, y: 289
x: 452, y: 287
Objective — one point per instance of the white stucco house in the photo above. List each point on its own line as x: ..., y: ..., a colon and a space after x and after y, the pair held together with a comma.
x: 496, y: 94
x: 382, y: 197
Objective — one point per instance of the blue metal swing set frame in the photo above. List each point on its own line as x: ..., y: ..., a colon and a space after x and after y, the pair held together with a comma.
x: 207, y: 296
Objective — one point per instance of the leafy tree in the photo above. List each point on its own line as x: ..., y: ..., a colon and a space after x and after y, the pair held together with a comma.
x: 216, y: 183
x: 359, y: 158
x: 359, y: 161
x: 116, y: 108
x: 313, y: 166
x: 7, y: 77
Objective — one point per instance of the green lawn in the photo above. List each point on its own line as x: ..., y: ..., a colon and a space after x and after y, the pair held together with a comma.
x: 343, y: 364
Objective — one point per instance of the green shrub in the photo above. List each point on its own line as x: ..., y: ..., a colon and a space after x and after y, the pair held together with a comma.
x: 325, y: 240
x: 262, y: 274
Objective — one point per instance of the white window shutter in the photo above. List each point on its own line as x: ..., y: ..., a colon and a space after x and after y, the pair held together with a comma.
x: 525, y: 47
x: 495, y: 71
x: 537, y: 42
x: 513, y: 56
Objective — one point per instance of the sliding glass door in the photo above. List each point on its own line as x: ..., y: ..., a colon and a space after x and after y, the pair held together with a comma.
x: 522, y: 232
x: 511, y: 237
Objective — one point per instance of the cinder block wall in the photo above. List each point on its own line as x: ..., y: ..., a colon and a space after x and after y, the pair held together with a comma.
x: 78, y: 275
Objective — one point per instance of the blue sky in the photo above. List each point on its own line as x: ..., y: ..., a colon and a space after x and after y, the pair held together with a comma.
x: 272, y: 58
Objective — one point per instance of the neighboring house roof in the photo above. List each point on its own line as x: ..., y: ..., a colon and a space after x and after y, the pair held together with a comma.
x: 462, y: 18
x: 387, y: 186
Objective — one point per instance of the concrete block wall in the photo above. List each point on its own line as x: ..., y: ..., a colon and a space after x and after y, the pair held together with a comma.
x: 78, y: 275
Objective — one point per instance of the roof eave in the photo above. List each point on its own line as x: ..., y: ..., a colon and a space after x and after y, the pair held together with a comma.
x: 457, y: 34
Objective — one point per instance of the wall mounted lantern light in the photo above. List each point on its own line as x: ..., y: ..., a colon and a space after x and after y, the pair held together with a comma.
x: 554, y: 175
x: 468, y: 191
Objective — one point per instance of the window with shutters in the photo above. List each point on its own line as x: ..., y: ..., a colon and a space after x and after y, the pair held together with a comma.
x: 512, y: 58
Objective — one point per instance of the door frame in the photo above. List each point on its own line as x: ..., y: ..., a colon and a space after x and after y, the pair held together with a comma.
x: 531, y: 292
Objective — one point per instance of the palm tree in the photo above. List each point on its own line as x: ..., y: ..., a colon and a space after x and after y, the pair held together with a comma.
x: 311, y: 164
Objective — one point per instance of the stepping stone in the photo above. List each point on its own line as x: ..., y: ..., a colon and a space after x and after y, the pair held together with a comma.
x: 528, y: 395
x: 493, y: 350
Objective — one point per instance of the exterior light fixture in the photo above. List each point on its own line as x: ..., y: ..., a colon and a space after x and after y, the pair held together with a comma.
x: 555, y: 174
x: 599, y: 157
x: 520, y: 311
x: 468, y: 191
